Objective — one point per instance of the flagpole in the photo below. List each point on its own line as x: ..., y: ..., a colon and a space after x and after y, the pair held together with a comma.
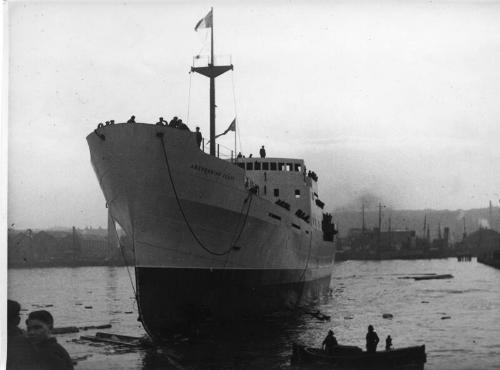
x: 212, y: 38
x: 235, y: 139
x: 211, y: 71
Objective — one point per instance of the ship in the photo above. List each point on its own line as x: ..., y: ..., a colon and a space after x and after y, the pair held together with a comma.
x: 212, y: 237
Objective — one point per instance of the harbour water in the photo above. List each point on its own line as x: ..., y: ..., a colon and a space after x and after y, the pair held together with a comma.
x: 457, y: 319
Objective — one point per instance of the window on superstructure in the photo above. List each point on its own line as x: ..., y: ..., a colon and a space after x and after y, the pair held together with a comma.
x: 289, y: 167
x: 276, y: 192
x: 249, y: 166
x: 297, y: 193
x: 298, y: 167
x: 257, y: 166
x: 273, y: 166
x: 281, y: 166
x: 265, y: 166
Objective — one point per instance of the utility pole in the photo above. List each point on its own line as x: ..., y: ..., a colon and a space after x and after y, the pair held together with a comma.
x: 363, y: 228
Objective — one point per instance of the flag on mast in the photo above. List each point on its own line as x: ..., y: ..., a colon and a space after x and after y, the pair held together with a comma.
x: 205, y: 22
x: 232, y: 127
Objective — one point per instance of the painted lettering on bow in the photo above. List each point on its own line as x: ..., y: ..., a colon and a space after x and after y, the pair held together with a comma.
x: 212, y: 172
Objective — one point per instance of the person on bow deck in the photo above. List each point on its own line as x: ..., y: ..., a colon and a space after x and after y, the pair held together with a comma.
x: 161, y: 122
x: 182, y: 126
x: 262, y: 152
x: 199, y: 137
x: 131, y: 120
x: 239, y: 155
x: 174, y: 122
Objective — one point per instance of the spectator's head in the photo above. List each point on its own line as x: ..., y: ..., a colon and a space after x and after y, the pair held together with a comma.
x: 197, y: 129
x: 39, y: 325
x: 330, y: 332
x: 13, y: 309
x: 370, y: 328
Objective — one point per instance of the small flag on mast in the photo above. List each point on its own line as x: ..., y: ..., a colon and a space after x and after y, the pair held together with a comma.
x: 205, y: 22
x: 232, y: 127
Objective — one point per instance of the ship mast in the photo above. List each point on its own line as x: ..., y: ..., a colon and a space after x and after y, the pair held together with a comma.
x: 212, y: 71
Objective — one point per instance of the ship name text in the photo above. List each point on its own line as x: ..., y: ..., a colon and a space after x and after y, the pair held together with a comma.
x: 209, y: 171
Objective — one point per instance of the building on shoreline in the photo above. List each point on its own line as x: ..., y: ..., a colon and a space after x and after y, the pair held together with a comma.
x: 75, y: 247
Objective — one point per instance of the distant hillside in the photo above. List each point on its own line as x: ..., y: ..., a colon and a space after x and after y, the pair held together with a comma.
x: 414, y: 220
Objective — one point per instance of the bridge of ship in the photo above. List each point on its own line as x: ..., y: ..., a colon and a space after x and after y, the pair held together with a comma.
x: 285, y: 181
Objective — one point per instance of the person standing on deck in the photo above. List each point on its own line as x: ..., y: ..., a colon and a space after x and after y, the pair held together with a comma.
x: 262, y: 152
x: 199, y: 138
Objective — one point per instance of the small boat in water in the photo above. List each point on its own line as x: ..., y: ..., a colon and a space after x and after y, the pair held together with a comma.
x: 353, y: 358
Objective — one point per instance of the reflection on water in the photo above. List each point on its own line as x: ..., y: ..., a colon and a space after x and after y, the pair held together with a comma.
x: 361, y: 293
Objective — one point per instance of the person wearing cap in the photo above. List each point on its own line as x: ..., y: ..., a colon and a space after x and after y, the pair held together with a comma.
x: 371, y: 340
x: 161, y: 122
x: 131, y: 120
x: 52, y: 354
x: 329, y: 343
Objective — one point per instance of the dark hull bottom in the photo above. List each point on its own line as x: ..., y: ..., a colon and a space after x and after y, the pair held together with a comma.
x: 178, y: 300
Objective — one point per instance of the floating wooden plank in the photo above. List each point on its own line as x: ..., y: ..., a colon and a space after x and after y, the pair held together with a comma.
x: 122, y: 340
x: 111, y: 341
x: 431, y: 277
x: 65, y: 330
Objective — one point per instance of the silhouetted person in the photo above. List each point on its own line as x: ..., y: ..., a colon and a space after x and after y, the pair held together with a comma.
x: 329, y: 343
x: 388, y: 343
x: 51, y: 353
x: 199, y: 138
x: 371, y: 340
x: 182, y: 126
x: 174, y: 122
x: 21, y: 354
x: 112, y: 122
x: 250, y: 156
x: 239, y: 155
x: 161, y: 122
x: 107, y: 123
x: 131, y: 120
x: 262, y: 152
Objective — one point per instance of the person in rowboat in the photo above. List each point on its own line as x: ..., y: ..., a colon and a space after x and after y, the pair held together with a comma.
x: 388, y: 343
x: 371, y: 340
x: 329, y: 343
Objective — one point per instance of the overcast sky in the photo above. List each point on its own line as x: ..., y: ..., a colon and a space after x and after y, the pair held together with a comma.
x: 399, y: 99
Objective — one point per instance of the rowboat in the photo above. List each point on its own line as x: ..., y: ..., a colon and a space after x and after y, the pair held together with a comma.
x: 354, y: 358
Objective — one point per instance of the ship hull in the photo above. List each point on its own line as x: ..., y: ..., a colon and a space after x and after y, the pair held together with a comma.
x: 181, y: 300
x: 204, y: 244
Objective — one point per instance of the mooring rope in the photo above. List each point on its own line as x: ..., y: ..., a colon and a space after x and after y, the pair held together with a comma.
x: 123, y: 255
x: 160, y: 135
